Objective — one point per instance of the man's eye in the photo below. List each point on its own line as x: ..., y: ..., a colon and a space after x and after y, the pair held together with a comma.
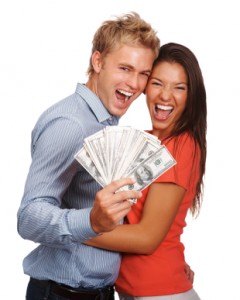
x: 146, y: 74
x: 124, y: 68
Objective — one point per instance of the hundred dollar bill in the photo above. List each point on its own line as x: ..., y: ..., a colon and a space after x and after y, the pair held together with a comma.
x: 151, y: 137
x: 95, y: 146
x: 150, y: 169
x: 116, y: 137
x: 122, y: 151
x: 146, y: 151
x: 133, y: 146
x: 85, y: 160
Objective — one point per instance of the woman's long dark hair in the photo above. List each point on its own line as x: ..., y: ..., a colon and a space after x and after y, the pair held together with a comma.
x: 194, y: 117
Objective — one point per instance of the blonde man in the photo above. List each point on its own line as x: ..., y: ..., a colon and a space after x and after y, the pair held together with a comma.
x: 62, y: 205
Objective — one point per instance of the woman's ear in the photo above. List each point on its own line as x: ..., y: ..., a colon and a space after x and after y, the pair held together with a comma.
x: 97, y: 61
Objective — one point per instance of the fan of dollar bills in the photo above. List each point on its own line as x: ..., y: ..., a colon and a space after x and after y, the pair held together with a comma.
x: 118, y: 151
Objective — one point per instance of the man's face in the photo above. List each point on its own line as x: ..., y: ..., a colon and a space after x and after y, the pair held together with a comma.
x: 122, y: 76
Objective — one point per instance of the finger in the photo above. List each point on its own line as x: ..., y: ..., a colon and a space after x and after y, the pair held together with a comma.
x: 111, y: 198
x: 119, y: 211
x: 120, y: 215
x: 117, y: 184
x: 118, y: 205
x: 131, y: 195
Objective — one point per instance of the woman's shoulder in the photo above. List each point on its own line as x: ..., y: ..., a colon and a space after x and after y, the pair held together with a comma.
x: 183, y: 146
x: 184, y: 139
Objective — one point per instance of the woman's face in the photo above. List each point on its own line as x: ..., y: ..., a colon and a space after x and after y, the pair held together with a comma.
x: 166, y: 95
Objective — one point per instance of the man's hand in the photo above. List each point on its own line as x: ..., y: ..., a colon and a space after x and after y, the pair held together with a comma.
x: 110, y: 205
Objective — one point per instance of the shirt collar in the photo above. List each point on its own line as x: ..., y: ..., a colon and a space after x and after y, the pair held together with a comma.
x: 96, y: 105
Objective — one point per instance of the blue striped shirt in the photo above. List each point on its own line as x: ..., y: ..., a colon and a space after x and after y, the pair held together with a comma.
x: 59, y: 194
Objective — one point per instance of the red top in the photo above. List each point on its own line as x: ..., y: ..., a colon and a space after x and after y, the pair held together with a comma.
x: 162, y: 272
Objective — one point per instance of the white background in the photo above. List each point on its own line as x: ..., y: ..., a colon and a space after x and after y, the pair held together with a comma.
x: 44, y: 52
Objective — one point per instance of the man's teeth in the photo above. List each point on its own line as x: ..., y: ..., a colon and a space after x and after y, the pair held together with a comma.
x: 125, y: 93
x: 164, y: 107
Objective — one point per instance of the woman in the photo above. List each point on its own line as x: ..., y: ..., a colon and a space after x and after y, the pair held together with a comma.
x: 153, y: 262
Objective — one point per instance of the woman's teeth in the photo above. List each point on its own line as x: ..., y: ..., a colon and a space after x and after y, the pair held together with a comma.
x: 164, y: 107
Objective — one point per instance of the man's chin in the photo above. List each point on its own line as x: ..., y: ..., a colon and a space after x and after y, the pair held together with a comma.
x: 119, y: 112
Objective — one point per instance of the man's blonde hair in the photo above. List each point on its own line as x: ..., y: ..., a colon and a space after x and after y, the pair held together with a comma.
x: 128, y: 29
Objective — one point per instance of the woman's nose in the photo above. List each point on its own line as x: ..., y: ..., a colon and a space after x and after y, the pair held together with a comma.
x: 166, y: 93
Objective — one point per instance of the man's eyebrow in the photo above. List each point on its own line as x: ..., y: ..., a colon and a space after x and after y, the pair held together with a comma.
x: 127, y: 65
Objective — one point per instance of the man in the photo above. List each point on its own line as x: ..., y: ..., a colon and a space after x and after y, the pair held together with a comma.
x: 62, y: 205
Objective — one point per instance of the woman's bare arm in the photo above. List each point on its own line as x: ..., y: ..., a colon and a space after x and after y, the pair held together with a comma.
x: 160, y: 209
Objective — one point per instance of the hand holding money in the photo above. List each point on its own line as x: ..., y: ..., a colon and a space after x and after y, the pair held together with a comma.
x: 110, y: 205
x: 116, y: 152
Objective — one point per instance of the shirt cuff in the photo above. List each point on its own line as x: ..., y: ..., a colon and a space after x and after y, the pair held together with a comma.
x: 80, y: 225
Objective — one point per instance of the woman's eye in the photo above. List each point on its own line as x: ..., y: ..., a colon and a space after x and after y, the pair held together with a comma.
x: 156, y: 83
x: 182, y: 88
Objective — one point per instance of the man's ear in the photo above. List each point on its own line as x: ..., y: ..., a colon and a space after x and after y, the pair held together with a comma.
x: 97, y: 61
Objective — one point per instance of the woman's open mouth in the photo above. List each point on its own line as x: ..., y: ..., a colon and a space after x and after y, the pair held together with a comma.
x: 162, y: 112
